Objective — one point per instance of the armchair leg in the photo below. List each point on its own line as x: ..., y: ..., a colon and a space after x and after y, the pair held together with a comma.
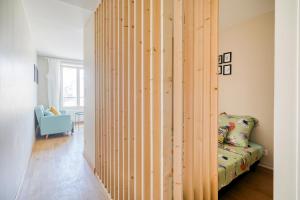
x: 46, y: 137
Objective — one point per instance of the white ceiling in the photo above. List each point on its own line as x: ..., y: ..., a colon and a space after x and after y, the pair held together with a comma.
x: 86, y: 4
x: 233, y: 12
x: 57, y: 25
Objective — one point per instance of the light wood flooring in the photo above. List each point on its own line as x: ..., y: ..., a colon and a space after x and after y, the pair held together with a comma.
x: 256, y: 185
x: 58, y: 171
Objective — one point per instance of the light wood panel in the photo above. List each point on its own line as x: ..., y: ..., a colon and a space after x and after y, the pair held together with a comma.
x: 156, y: 98
x: 178, y: 101
x: 146, y: 152
x: 195, y: 110
x: 134, y: 92
x: 137, y: 100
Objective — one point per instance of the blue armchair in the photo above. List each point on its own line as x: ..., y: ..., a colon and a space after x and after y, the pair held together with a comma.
x: 53, y: 124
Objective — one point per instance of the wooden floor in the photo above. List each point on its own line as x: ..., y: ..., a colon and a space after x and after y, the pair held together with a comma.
x: 256, y: 185
x: 57, y: 170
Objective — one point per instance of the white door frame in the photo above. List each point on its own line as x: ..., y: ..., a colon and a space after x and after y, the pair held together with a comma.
x: 286, y: 120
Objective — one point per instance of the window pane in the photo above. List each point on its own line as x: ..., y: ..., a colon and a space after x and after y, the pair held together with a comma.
x: 81, y: 87
x: 69, y: 87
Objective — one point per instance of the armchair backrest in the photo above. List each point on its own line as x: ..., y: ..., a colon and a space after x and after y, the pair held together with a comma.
x: 39, y: 112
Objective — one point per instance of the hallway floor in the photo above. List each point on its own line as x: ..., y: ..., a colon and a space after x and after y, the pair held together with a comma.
x: 58, y: 170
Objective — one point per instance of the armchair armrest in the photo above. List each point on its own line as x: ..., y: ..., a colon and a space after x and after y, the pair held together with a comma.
x: 55, y: 124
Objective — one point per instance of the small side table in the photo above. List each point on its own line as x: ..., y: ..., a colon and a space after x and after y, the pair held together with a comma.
x: 77, y: 118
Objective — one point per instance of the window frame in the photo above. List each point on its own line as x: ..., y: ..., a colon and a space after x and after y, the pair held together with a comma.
x: 78, y: 67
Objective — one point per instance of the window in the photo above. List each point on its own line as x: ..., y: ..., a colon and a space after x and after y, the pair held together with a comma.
x: 72, y: 86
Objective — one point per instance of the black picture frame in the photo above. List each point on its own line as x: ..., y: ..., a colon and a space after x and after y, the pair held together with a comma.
x: 220, y: 59
x: 35, y: 74
x: 227, y: 69
x: 220, y: 69
x: 227, y: 57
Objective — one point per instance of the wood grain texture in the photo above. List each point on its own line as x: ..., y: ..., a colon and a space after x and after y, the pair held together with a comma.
x: 155, y: 90
x: 195, y: 119
x: 178, y: 100
x: 137, y: 100
x: 146, y: 153
x: 131, y: 95
x: 188, y: 84
x: 156, y: 98
x: 133, y: 125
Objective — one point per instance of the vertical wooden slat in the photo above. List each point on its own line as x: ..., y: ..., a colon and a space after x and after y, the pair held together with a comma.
x: 178, y: 99
x: 99, y: 90
x: 198, y: 97
x: 101, y: 142
x: 116, y: 100
x: 96, y: 17
x: 109, y: 95
x: 125, y: 100
x: 166, y: 96
x: 214, y: 15
x: 146, y: 169
x: 207, y: 98
x: 105, y: 141
x: 155, y: 106
x: 188, y: 88
x: 137, y: 100
x: 121, y: 99
x: 131, y: 110
x: 112, y: 100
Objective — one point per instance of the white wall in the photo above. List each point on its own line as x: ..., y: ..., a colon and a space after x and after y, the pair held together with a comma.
x: 89, y: 64
x: 18, y: 97
x: 286, y: 161
x: 250, y: 88
x: 42, y: 64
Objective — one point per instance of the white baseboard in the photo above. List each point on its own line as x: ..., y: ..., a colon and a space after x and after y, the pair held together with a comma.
x: 265, y: 166
x: 25, y: 170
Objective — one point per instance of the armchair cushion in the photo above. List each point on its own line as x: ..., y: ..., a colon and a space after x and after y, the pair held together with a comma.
x: 54, y: 110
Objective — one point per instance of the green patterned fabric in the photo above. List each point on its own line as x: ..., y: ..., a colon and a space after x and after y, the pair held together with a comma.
x: 222, y: 133
x: 234, y: 161
x: 240, y: 128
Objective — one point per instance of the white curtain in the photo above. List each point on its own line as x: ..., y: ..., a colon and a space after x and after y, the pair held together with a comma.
x: 54, y: 82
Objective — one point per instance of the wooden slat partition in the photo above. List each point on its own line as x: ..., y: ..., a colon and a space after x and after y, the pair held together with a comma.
x: 156, y: 98
x: 134, y: 98
x: 195, y: 101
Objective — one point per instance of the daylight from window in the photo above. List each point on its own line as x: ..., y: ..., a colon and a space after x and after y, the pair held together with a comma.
x: 72, y: 87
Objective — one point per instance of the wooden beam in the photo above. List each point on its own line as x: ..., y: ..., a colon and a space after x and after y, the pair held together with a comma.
x: 137, y: 100
x: 146, y: 153
x: 178, y: 100
x: 131, y: 92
